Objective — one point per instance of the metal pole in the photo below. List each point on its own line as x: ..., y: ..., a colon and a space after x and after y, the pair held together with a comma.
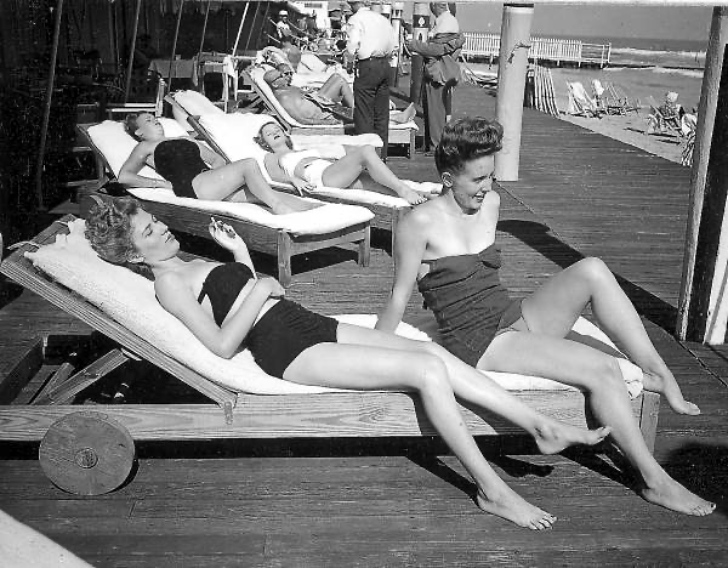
x: 47, y: 106
x: 130, y: 65
x: 252, y: 27
x: 240, y: 29
x: 420, y: 31
x: 204, y: 27
x: 174, y: 41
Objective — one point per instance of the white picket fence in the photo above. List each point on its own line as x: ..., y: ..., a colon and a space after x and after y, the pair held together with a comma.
x: 558, y: 51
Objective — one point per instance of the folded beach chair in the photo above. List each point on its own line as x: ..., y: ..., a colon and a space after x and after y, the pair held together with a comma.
x: 658, y: 122
x: 280, y: 235
x: 619, y: 101
x: 231, y: 136
x: 399, y: 134
x: 580, y: 103
x: 89, y: 449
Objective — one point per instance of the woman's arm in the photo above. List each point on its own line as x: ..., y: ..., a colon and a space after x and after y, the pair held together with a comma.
x: 409, y: 249
x: 129, y: 172
x: 175, y: 296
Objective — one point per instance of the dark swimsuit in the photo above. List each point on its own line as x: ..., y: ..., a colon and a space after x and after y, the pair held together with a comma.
x: 179, y: 161
x: 469, y: 302
x: 284, y: 332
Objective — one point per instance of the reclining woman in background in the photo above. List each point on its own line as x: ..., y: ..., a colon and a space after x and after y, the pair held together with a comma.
x: 228, y: 307
x: 360, y: 168
x: 447, y: 247
x: 193, y: 170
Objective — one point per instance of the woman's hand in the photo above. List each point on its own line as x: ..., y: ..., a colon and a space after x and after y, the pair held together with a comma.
x: 302, y: 186
x: 225, y: 236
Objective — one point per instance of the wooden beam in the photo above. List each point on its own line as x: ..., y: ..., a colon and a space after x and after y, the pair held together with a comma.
x: 703, y: 272
x: 512, y: 66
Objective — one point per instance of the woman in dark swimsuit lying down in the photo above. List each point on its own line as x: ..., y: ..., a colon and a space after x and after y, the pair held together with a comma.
x: 228, y: 307
x: 447, y: 247
x: 193, y: 170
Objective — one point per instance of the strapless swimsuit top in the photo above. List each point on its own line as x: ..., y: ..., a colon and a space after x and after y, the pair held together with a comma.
x: 223, y: 285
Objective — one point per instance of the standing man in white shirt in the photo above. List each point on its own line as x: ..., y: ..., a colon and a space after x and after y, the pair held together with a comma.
x: 370, y: 44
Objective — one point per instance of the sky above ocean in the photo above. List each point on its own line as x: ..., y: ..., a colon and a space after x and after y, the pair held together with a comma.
x: 605, y: 22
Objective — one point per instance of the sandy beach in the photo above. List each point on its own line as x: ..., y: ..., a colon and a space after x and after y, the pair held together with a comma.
x: 640, y: 84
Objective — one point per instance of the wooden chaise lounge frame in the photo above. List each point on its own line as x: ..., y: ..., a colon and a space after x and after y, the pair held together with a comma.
x: 230, y: 414
x: 385, y: 216
x: 277, y: 242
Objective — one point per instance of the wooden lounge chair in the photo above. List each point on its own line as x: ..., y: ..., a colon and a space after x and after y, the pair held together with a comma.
x: 659, y: 122
x: 618, y: 101
x: 280, y: 410
x: 580, y: 103
x: 231, y: 136
x: 283, y: 236
x: 399, y: 134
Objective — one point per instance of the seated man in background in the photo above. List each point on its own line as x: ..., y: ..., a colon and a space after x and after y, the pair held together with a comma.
x: 330, y: 104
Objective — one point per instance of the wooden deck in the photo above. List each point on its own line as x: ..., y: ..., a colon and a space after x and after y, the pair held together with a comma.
x: 406, y: 502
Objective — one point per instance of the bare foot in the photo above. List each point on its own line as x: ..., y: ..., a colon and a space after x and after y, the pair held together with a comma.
x: 667, y: 386
x: 671, y: 495
x: 512, y: 507
x: 551, y: 438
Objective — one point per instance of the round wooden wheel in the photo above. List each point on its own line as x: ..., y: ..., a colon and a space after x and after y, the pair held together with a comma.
x: 87, y: 453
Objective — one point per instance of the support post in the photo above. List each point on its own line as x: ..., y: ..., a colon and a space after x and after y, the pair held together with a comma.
x: 396, y: 19
x: 240, y: 30
x: 702, y: 304
x: 512, y: 66
x: 174, y: 41
x: 132, y: 49
x: 420, y: 30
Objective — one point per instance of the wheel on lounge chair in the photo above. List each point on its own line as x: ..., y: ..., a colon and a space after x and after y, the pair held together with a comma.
x: 87, y: 453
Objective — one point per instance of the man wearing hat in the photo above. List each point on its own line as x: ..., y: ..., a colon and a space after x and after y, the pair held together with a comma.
x: 283, y: 28
x: 371, y: 41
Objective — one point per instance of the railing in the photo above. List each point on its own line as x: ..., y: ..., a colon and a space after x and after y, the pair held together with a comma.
x: 558, y: 51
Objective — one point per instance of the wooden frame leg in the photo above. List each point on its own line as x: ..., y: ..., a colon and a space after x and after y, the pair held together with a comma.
x: 284, y: 259
x: 365, y: 248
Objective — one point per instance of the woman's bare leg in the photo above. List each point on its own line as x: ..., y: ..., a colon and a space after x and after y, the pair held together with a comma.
x: 345, y: 171
x: 473, y: 386
x: 226, y: 182
x: 562, y: 299
x: 374, y: 368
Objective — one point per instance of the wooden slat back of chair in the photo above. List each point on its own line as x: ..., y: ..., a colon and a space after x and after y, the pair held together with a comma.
x: 102, y: 164
x: 22, y: 271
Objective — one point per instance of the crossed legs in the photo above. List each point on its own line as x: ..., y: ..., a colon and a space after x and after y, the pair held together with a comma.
x: 538, y: 348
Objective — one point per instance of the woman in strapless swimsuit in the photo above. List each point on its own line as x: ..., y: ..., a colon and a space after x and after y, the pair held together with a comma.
x: 227, y: 307
x: 360, y: 168
x: 447, y: 247
x: 192, y: 170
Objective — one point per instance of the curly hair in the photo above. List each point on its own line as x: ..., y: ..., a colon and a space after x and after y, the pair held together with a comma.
x: 130, y: 125
x: 465, y: 140
x: 108, y: 229
x: 258, y: 138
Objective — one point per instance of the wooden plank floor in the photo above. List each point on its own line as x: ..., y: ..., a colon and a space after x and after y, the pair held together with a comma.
x: 403, y: 502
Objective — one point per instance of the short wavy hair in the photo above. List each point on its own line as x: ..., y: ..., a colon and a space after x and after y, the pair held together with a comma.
x: 108, y: 229
x: 467, y: 139
x: 258, y: 138
x: 130, y: 125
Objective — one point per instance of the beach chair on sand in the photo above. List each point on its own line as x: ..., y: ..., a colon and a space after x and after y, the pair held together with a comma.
x: 90, y: 449
x: 580, y: 103
x: 231, y: 136
x: 661, y: 122
x: 618, y: 101
x: 399, y: 134
x: 283, y: 236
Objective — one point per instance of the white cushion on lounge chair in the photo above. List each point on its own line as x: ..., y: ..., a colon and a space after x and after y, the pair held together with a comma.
x: 129, y: 299
x: 115, y: 144
x: 234, y: 134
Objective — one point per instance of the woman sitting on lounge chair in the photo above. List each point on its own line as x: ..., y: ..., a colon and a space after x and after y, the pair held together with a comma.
x: 360, y: 168
x: 192, y: 170
x: 447, y: 247
x: 227, y: 306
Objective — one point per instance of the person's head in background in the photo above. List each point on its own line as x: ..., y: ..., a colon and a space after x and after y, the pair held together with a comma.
x: 356, y: 5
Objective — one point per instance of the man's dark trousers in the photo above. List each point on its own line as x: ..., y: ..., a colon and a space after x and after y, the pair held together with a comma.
x: 371, y: 98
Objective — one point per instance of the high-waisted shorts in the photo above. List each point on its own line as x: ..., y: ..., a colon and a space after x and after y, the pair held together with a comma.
x: 313, y: 172
x: 284, y: 332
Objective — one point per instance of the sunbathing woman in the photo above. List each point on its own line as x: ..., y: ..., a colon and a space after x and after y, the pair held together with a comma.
x: 226, y: 306
x: 448, y: 247
x: 360, y: 168
x: 192, y: 170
